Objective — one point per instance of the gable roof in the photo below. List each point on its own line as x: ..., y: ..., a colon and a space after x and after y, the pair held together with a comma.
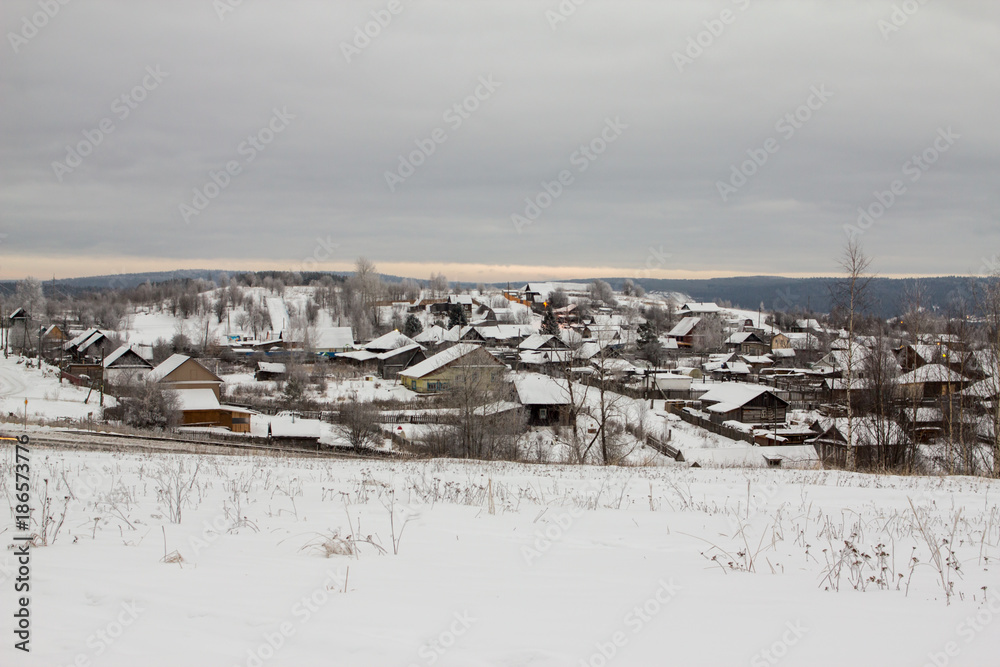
x: 389, y: 341
x: 535, y: 389
x: 442, y: 359
x: 399, y: 350
x: 197, y: 399
x: 171, y: 364
x: 741, y: 337
x: 931, y: 373
x: 538, y: 341
x: 735, y: 395
x: 132, y: 360
x: 334, y: 338
x: 684, y: 327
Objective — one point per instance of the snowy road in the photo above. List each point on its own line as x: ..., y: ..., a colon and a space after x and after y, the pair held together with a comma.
x: 12, y: 384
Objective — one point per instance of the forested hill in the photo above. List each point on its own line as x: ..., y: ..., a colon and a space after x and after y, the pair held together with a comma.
x: 888, y: 295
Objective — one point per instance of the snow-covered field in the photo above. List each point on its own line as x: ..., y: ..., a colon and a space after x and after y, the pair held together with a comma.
x: 47, y: 398
x: 282, y: 561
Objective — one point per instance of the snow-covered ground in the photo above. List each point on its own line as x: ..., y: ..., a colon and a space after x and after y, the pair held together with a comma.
x: 466, y: 563
x: 47, y: 398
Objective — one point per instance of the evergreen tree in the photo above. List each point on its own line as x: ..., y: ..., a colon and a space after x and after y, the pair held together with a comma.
x: 412, y: 326
x: 456, y: 316
x: 549, y: 323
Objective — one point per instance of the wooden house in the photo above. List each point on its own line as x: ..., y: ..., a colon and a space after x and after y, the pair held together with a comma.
x: 748, y: 343
x: 125, y: 366
x: 390, y: 363
x: 745, y: 403
x: 685, y: 331
x: 183, y: 372
x: 441, y: 371
x: 546, y: 400
x: 201, y: 407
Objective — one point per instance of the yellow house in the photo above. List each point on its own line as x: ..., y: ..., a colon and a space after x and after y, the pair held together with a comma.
x: 439, y: 372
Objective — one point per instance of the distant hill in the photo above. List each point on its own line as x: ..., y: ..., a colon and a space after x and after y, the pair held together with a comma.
x: 888, y: 295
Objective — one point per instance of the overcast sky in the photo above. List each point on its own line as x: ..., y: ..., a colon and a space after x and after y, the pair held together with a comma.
x: 115, y: 113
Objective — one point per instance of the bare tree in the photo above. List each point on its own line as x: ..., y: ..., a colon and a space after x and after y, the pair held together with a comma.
x: 359, y: 424
x: 850, y: 293
x: 988, y: 298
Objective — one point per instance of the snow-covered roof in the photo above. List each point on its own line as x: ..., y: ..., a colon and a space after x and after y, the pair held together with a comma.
x: 294, y: 427
x: 440, y: 360
x: 741, y: 337
x: 400, y: 350
x: 783, y: 352
x: 334, y: 338
x: 432, y: 334
x: 79, y: 338
x: 535, y: 389
x: 684, y: 327
x: 389, y: 341
x: 734, y: 394
x: 696, y: 307
x: 930, y: 353
x: 757, y: 359
x: 172, y: 363
x: 197, y: 399
x: 138, y: 362
x: 988, y: 388
x: 930, y: 373
x: 535, y: 341
x: 504, y: 331
x: 358, y: 355
x: 96, y: 337
x: 270, y: 367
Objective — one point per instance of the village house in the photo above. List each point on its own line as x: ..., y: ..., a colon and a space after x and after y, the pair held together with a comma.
x: 441, y: 371
x: 745, y: 403
x: 545, y: 399
x: 747, y: 342
x: 199, y: 392
x: 685, y: 332
x: 125, y: 366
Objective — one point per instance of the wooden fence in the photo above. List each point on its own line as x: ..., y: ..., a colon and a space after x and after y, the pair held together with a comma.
x: 718, y: 429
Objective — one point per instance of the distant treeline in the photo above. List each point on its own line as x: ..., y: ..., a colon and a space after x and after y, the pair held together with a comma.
x: 888, y: 296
